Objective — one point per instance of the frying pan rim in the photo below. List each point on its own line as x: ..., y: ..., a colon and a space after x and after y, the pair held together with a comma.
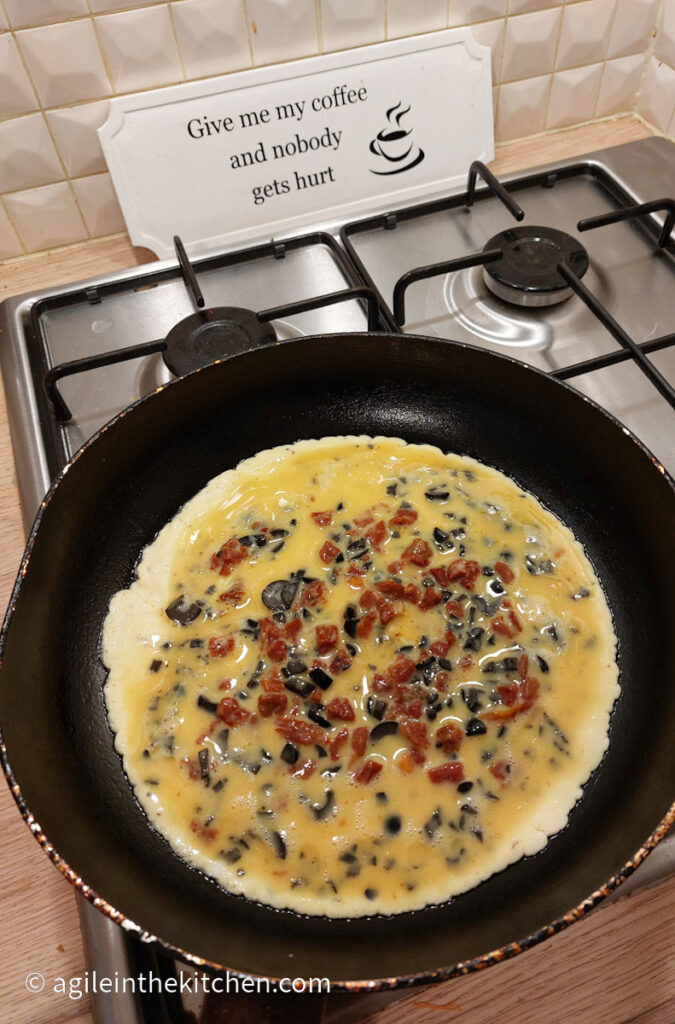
x: 349, y: 985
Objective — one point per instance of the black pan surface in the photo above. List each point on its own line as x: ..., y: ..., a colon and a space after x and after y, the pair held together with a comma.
x: 131, y: 479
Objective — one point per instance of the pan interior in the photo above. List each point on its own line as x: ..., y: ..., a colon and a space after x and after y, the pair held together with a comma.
x: 132, y: 480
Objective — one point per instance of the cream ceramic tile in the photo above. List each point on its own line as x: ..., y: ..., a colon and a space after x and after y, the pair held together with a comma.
x: 466, y: 12
x: 3, y: 19
x: 98, y: 204
x: 530, y: 45
x: 140, y: 48
x: 408, y: 19
x: 346, y: 23
x: 491, y: 33
x: 9, y: 240
x: 282, y: 29
x: 620, y: 85
x: 27, y: 154
x: 64, y: 62
x: 584, y: 34
x: 16, y: 92
x: 573, y: 96
x: 45, y: 217
x: 522, y: 108
x: 27, y: 13
x: 657, y: 96
x: 633, y: 27
x: 671, y: 130
x: 74, y: 132
x: 524, y: 6
x: 664, y: 47
x: 211, y: 36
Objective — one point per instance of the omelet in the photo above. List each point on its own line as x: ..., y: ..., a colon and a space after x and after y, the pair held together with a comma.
x: 358, y: 676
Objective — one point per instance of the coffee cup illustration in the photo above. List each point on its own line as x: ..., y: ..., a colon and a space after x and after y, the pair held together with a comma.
x: 395, y: 144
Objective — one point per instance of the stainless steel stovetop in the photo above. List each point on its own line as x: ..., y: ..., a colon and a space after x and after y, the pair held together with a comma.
x: 630, y: 275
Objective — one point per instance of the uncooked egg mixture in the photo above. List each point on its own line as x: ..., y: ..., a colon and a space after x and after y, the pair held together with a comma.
x: 357, y: 675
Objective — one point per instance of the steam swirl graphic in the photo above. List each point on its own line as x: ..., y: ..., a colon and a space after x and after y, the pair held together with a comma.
x: 394, y: 144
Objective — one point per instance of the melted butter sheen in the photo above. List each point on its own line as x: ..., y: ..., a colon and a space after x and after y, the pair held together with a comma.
x: 314, y: 835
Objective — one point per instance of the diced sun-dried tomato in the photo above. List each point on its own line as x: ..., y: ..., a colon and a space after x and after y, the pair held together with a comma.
x: 466, y: 661
x: 508, y: 693
x: 326, y: 638
x: 455, y: 608
x: 365, y: 625
x: 368, y: 600
x: 297, y: 730
x: 465, y: 570
x: 329, y: 552
x: 411, y: 594
x: 208, y: 834
x: 304, y: 770
x: 386, y: 611
x: 390, y: 588
x: 219, y: 646
x: 337, y: 743
x: 430, y: 598
x: 228, y: 555
x: 230, y: 712
x: 380, y: 684
x: 394, y: 568
x: 403, y: 517
x: 360, y: 740
x: 419, y: 553
x: 293, y: 629
x: 449, y: 736
x: 272, y: 683
x: 313, y: 593
x: 272, y: 704
x: 341, y: 709
x: 523, y: 662
x: 401, y: 670
x: 376, y: 535
x: 364, y: 520
x: 322, y: 518
x: 368, y: 770
x: 451, y: 771
x: 341, y: 662
x: 418, y: 755
x: 235, y: 594
x: 440, y: 574
x: 501, y: 771
x: 415, y: 731
x: 505, y: 572
x: 277, y: 650
x: 529, y: 688
x: 440, y: 648
x: 450, y: 638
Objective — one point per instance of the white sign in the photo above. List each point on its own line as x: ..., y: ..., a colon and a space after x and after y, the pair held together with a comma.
x: 263, y: 153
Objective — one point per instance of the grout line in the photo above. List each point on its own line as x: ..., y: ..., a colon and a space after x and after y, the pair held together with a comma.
x: 555, y: 63
x: 249, y: 35
x: 648, y: 54
x: 4, y: 210
x: 175, y: 39
x: 610, y: 30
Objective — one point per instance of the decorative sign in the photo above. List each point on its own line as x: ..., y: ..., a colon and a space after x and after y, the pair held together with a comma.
x: 264, y: 153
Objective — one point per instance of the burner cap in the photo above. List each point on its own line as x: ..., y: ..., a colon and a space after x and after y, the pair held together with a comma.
x: 527, y: 274
x: 213, y: 334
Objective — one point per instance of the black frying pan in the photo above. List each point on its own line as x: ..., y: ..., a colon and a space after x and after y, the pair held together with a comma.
x: 131, y: 479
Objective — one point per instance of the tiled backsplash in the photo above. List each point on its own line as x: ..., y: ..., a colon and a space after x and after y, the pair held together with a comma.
x: 555, y: 63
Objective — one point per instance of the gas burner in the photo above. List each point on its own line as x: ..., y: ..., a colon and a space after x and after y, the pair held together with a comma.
x: 527, y: 273
x: 211, y: 334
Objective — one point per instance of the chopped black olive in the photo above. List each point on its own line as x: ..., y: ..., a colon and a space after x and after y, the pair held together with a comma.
x: 321, y: 811
x: 276, y: 545
x: 431, y: 713
x: 581, y: 593
x: 474, y: 641
x: 370, y: 894
x: 208, y: 705
x: 391, y: 489
x: 203, y: 756
x: 183, y: 614
x: 375, y: 706
x: 353, y: 650
x: 315, y: 714
x: 278, y: 844
x: 543, y: 664
x: 427, y: 661
x: 348, y: 857
x: 333, y: 769
x: 444, y: 663
x: 474, y: 727
x: 442, y: 539
x: 155, y: 665
x: 290, y: 754
x: 538, y: 567
x: 217, y: 786
x: 350, y: 627
x: 381, y: 797
x: 279, y: 617
x: 320, y: 752
x: 321, y: 678
x: 223, y: 738
x: 393, y: 824
x: 495, y: 587
x: 280, y: 594
x: 552, y: 632
x: 196, y: 643
x: 278, y: 532
x: 382, y: 730
x: 465, y: 787
x: 431, y: 826
x: 301, y: 687
x: 231, y: 856
x: 436, y: 494
x: 357, y: 548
